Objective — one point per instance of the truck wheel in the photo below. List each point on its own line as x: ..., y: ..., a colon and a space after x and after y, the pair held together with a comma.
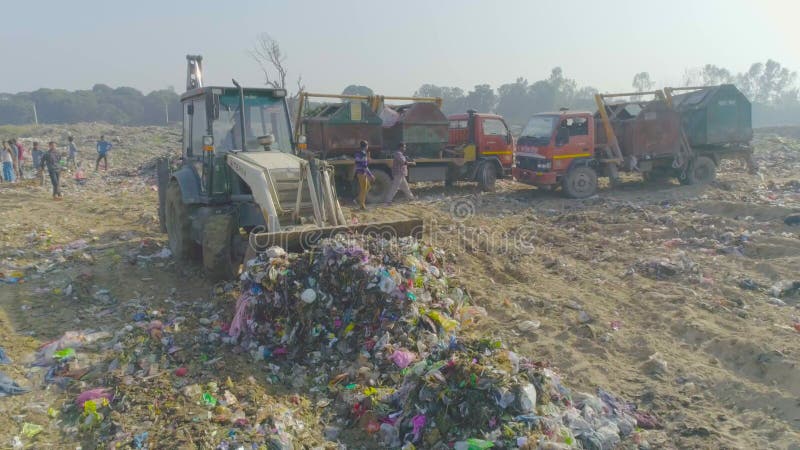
x: 221, y: 258
x: 176, y: 215
x: 380, y: 187
x: 487, y: 176
x: 580, y: 182
x: 701, y: 171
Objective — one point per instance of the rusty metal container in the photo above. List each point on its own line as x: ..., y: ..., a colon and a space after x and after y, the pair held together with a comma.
x: 337, y: 129
x: 646, y: 130
x: 423, y: 127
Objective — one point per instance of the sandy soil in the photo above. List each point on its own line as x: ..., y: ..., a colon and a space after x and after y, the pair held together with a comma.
x: 638, y: 290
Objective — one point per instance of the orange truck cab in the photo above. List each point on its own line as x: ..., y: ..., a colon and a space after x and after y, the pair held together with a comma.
x: 482, y: 137
x: 553, y: 146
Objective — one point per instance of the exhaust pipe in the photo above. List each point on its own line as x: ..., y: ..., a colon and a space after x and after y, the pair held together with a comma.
x: 194, y: 72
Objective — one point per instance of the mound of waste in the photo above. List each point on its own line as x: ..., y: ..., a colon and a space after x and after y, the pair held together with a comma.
x: 370, y: 329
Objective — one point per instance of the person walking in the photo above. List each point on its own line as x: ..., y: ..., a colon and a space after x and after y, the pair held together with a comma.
x: 72, y: 154
x: 8, y: 162
x: 400, y: 165
x: 36, y: 155
x: 50, y: 162
x: 22, y: 157
x: 363, y: 174
x: 103, y: 147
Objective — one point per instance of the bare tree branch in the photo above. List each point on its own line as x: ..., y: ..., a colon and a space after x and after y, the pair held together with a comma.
x: 269, y: 56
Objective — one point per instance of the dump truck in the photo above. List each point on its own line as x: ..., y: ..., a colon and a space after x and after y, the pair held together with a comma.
x: 238, y: 187
x: 657, y: 134
x: 466, y: 147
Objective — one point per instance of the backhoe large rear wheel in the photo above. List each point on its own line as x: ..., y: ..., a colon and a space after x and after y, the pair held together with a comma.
x: 580, y: 182
x: 222, y: 254
x: 176, y: 215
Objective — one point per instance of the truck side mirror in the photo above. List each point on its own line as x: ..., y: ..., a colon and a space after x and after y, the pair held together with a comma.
x: 562, y: 137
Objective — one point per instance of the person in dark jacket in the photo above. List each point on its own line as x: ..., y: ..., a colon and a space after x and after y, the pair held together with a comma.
x: 50, y: 161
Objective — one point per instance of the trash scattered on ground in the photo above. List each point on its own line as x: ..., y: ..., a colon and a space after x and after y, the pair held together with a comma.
x: 9, y: 386
x: 371, y: 328
x: 4, y: 359
x: 717, y: 252
x: 30, y: 430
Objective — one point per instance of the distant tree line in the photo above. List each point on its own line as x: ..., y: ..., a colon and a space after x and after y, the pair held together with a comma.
x: 121, y: 106
x: 772, y: 89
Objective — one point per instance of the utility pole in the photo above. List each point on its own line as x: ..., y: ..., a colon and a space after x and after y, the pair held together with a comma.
x: 35, y: 116
x: 166, y: 113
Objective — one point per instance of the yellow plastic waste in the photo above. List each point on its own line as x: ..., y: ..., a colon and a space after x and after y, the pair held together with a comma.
x: 443, y: 321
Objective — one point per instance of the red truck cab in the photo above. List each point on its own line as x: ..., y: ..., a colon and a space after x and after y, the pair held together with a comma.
x: 552, y: 144
x: 482, y: 136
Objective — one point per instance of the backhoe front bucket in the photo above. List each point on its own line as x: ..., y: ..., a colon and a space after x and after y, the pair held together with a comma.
x: 302, y: 239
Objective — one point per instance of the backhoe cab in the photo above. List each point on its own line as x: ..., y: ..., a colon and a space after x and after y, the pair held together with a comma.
x: 239, y: 187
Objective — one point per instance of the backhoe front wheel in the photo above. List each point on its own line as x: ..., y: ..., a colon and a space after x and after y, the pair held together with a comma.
x: 176, y: 215
x: 222, y: 252
x: 580, y: 182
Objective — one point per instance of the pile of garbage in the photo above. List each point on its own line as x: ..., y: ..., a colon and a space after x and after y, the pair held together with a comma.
x: 372, y: 329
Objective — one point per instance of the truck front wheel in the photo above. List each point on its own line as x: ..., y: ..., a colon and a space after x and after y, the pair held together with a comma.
x: 580, y: 182
x: 176, y: 215
x: 221, y: 241
x: 701, y: 171
x: 487, y: 176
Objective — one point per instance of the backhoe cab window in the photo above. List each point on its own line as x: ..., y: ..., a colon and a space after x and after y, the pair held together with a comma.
x: 263, y: 116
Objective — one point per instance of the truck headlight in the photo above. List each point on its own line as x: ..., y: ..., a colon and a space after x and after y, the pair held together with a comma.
x: 208, y: 143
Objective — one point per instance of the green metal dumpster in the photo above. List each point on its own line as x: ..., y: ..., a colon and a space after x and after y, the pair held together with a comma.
x: 337, y: 129
x: 715, y: 115
x: 423, y: 127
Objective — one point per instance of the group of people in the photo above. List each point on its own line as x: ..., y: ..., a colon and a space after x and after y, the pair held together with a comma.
x: 13, y: 155
x: 365, y: 178
x: 51, y: 161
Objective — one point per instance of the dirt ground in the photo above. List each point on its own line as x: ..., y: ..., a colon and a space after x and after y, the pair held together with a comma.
x: 677, y: 298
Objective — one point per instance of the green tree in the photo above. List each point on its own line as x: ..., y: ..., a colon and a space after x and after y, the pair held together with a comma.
x: 481, y: 98
x: 355, y: 89
x: 453, y: 98
x: 642, y: 82
x: 513, y: 101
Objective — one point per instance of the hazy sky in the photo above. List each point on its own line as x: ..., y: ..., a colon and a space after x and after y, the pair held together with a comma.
x: 391, y: 46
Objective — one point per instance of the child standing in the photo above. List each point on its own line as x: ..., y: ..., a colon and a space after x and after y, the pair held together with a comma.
x: 72, y: 154
x: 103, y: 147
x: 8, y: 163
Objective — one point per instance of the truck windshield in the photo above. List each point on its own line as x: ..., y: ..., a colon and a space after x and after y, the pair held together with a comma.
x: 263, y: 115
x: 538, y: 130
